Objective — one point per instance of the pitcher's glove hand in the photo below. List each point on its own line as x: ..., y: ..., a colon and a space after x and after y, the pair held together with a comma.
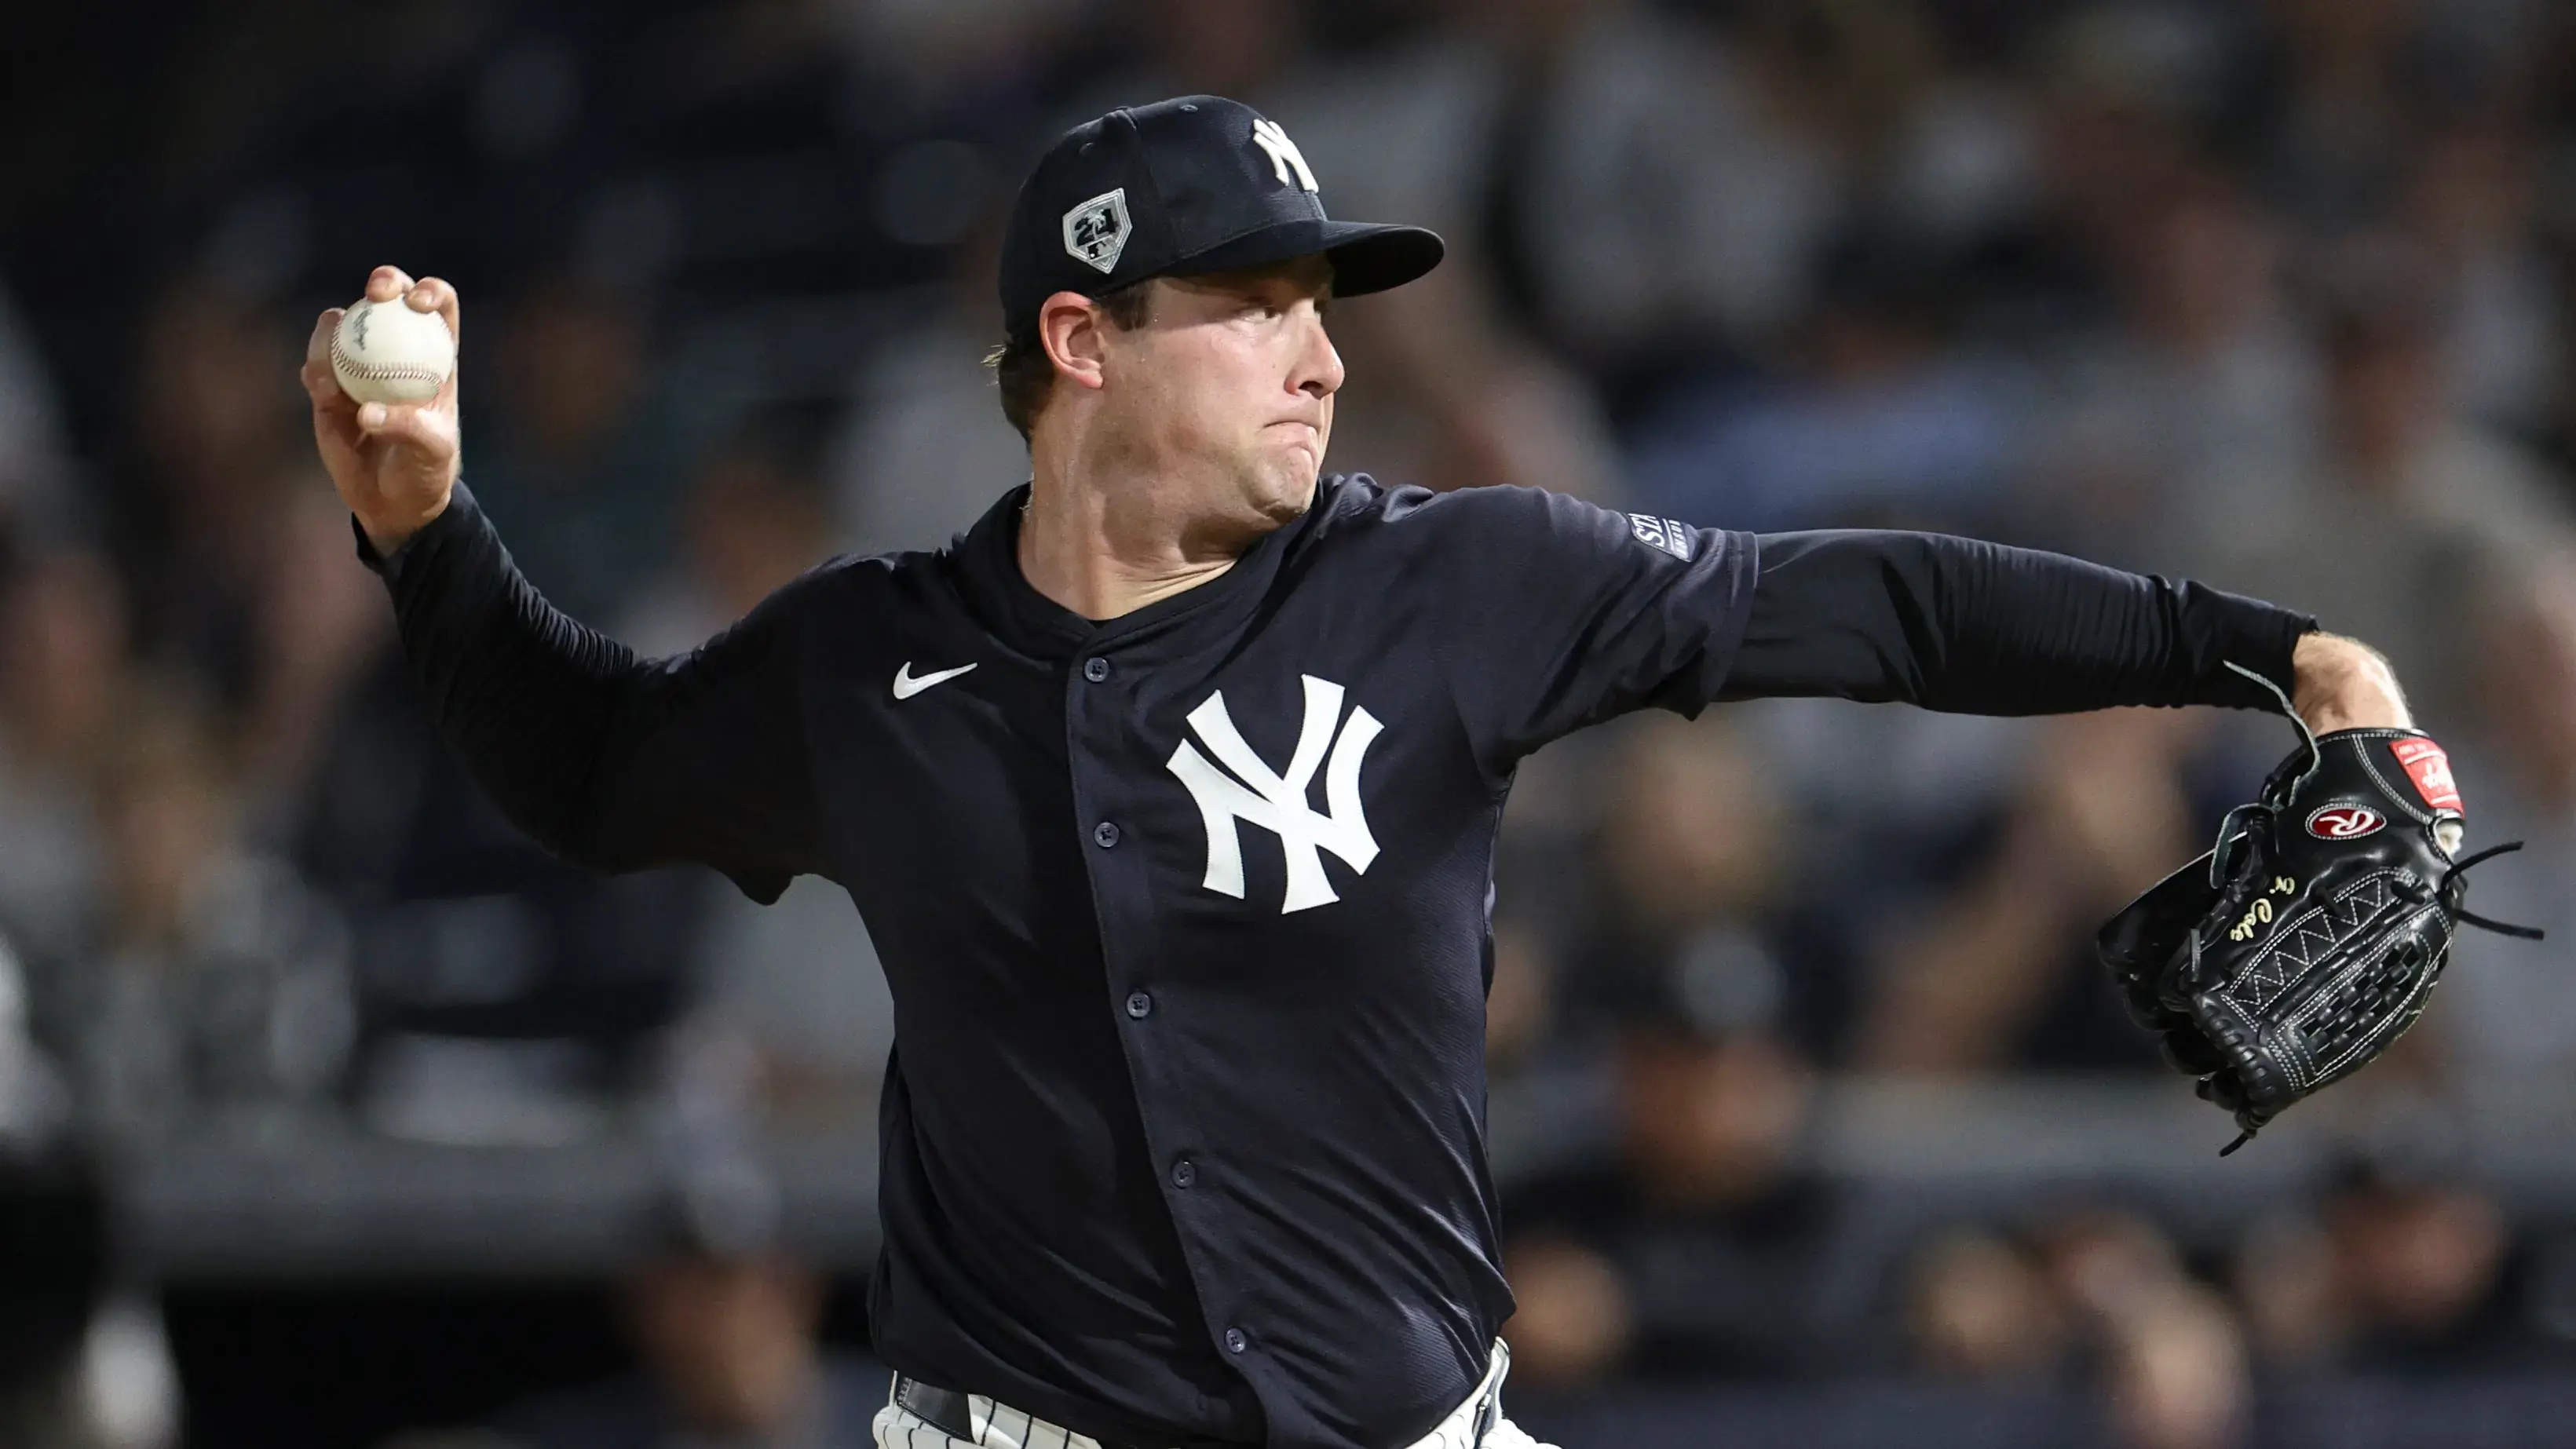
x: 2308, y: 940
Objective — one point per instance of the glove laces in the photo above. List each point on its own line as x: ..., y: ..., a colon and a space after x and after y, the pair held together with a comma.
x: 2501, y: 928
x: 2307, y: 736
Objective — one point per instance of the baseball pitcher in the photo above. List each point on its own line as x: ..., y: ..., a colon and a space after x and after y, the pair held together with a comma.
x: 1169, y: 794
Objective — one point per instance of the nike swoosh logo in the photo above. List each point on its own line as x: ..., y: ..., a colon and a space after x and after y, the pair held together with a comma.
x: 906, y: 685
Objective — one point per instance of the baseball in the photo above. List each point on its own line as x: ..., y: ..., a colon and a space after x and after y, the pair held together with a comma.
x: 385, y: 352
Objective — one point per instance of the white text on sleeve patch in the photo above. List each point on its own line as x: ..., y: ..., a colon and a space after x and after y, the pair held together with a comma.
x: 1669, y: 534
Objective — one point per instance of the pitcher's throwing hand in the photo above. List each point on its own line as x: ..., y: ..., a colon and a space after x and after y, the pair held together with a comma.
x: 392, y: 462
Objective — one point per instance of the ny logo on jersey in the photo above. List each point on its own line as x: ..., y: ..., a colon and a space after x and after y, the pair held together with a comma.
x: 1284, y: 155
x: 1276, y: 801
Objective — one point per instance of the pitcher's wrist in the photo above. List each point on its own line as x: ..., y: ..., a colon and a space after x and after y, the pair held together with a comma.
x: 388, y: 532
x: 2345, y: 684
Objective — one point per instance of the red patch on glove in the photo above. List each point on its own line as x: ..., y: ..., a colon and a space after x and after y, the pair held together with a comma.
x: 2430, y: 769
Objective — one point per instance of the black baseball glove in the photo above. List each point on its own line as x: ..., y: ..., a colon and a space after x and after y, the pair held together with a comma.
x: 2309, y: 939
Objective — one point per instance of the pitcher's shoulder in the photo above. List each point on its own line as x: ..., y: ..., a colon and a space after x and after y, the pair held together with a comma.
x: 851, y: 587
x: 895, y: 573
x: 1354, y: 506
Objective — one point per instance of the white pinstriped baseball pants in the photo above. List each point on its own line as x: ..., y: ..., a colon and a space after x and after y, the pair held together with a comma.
x: 999, y: 1426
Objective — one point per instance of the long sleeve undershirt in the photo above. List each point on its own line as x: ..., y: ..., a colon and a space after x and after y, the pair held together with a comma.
x: 1978, y: 628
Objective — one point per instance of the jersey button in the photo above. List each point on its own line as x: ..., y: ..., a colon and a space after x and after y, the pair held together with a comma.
x: 1184, y: 1172
x: 1139, y: 1005
x: 1235, y: 1342
x: 1105, y: 833
x: 1095, y: 670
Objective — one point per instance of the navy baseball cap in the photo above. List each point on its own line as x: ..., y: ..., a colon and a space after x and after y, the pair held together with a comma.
x: 1189, y: 185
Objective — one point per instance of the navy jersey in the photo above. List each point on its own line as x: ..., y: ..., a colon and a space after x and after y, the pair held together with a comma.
x: 1186, y: 913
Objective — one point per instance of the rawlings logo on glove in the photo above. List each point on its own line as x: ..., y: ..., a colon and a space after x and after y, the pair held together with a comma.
x: 2344, y: 822
x: 2310, y: 937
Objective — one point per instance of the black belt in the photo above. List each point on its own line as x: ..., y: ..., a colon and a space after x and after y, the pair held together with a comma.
x: 947, y: 1411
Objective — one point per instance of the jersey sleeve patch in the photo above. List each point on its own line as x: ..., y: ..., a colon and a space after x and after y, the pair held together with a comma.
x: 1669, y: 534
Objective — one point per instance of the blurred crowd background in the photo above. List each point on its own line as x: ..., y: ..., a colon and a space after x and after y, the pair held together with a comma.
x: 334, y: 1115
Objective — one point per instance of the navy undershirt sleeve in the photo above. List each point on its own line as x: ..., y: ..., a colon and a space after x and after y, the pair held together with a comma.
x: 1979, y: 628
x: 607, y: 760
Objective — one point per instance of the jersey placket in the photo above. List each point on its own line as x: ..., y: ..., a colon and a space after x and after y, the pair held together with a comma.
x: 1108, y: 765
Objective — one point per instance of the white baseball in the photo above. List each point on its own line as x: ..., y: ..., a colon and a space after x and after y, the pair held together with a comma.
x: 385, y: 352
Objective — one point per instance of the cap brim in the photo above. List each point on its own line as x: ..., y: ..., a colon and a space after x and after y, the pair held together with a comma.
x: 1366, y: 256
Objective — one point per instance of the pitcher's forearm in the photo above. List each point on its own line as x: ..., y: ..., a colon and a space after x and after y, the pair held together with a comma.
x: 1978, y: 628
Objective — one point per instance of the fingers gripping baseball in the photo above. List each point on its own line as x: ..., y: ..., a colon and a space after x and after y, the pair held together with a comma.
x: 392, y: 462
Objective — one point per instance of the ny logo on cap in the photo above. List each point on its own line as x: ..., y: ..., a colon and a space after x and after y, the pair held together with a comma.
x: 1096, y: 231
x: 1284, y: 155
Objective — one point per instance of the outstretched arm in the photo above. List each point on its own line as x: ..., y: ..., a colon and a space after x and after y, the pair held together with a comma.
x: 1559, y: 614
x: 607, y: 760
x: 1971, y: 627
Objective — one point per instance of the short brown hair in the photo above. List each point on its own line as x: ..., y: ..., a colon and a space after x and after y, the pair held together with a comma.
x: 1025, y: 375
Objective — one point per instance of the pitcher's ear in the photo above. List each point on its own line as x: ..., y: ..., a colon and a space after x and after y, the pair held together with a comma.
x: 1070, y: 328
